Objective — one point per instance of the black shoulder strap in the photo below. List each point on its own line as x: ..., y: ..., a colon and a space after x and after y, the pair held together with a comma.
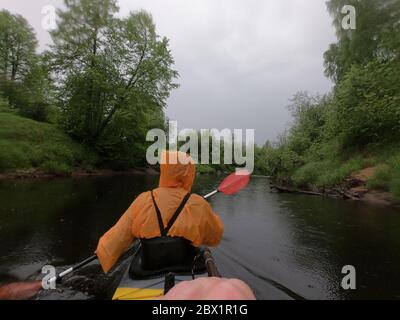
x: 177, y: 213
x: 159, y: 217
x: 164, y: 231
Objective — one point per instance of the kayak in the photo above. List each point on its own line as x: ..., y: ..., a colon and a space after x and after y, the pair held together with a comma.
x: 154, y: 287
x: 149, y: 289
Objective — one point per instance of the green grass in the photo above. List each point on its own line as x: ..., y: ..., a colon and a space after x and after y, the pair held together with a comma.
x: 380, y: 179
x: 334, y: 167
x: 327, y: 172
x: 26, y: 144
x: 387, y: 175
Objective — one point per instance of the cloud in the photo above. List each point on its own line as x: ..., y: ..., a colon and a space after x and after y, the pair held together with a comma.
x: 240, y: 61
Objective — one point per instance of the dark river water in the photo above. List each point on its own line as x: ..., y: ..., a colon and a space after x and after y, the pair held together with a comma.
x: 284, y: 246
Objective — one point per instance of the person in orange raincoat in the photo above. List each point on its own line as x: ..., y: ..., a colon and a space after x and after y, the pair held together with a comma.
x: 196, y: 221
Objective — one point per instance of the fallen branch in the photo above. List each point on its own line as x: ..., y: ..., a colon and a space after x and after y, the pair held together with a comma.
x: 290, y: 190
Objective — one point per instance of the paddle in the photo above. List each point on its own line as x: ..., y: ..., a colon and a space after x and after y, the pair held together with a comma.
x: 229, y: 186
x: 72, y: 269
x: 232, y: 184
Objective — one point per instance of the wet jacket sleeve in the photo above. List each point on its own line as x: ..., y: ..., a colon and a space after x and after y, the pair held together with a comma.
x: 116, y: 240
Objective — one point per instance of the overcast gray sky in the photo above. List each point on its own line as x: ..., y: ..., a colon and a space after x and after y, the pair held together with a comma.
x: 239, y: 61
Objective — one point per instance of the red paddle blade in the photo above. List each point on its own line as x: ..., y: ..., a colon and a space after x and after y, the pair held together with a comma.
x: 235, y: 182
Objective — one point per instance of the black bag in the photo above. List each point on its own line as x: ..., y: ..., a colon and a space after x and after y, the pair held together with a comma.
x: 160, y: 256
x: 164, y: 254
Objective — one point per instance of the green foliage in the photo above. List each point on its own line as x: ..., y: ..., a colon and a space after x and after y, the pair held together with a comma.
x: 55, y: 167
x: 24, y: 79
x: 376, y: 35
x: 260, y: 157
x: 110, y: 81
x: 37, y: 100
x: 310, y: 115
x: 4, y: 106
x: 26, y: 144
x: 395, y: 185
x: 31, y: 97
x: 217, y: 146
x: 326, y: 173
x: 17, y: 46
x: 380, y: 179
x: 205, y: 169
x: 115, y: 76
x: 387, y: 176
x: 280, y: 162
x: 367, y: 104
x: 122, y: 145
x: 357, y: 125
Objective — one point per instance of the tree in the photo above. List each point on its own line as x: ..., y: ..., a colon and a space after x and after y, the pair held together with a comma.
x: 323, y: 145
x: 17, y: 46
x: 107, y: 69
x: 23, y: 77
x: 310, y: 114
x: 37, y: 92
x: 377, y: 35
x: 367, y: 104
x: 123, y: 143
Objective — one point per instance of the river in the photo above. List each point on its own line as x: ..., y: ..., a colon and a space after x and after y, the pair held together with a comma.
x: 284, y: 246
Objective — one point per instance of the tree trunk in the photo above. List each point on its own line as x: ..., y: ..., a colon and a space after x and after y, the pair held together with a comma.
x: 15, y: 64
x: 90, y: 116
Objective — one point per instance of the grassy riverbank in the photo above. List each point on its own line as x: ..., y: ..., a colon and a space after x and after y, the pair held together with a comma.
x: 32, y: 147
x: 346, y: 141
x: 372, y: 173
x: 336, y: 167
x: 334, y: 137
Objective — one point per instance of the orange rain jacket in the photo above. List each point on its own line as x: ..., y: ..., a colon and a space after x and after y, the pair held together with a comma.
x: 197, y: 221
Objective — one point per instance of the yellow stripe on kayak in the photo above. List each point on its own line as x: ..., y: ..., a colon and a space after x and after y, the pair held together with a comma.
x: 137, y: 294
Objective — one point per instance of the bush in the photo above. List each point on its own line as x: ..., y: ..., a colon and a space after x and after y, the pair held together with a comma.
x: 307, y: 174
x: 26, y: 99
x: 394, y: 182
x: 55, y: 167
x: 395, y: 186
x: 379, y: 180
x: 328, y: 172
x: 387, y: 176
x: 367, y: 104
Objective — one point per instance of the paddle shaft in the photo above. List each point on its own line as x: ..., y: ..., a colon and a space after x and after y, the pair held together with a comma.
x: 209, y: 260
x: 74, y: 268
x: 210, y: 264
x: 211, y: 194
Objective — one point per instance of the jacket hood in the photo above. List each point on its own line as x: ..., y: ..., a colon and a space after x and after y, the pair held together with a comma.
x: 177, y: 170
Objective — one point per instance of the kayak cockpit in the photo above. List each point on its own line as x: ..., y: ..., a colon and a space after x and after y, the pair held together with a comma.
x: 142, y: 284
